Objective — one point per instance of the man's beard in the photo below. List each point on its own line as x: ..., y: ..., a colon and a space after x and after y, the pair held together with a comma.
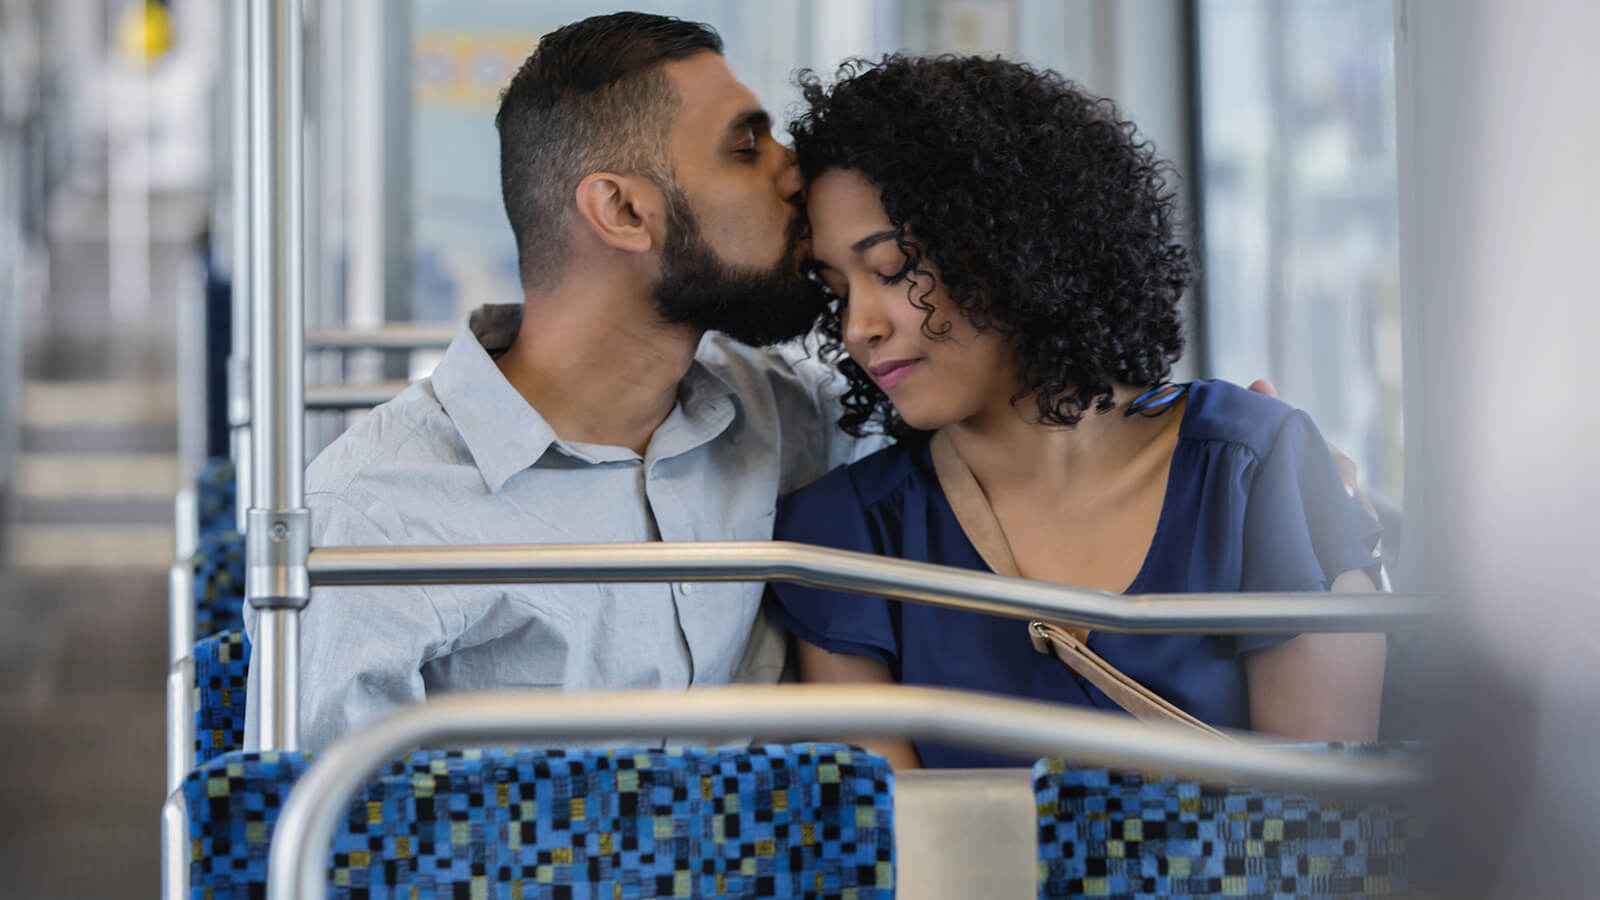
x: 759, y: 307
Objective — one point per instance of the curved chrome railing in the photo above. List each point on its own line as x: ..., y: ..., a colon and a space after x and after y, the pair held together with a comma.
x: 844, y: 570
x: 394, y: 336
x: 325, y: 397
x: 297, y: 866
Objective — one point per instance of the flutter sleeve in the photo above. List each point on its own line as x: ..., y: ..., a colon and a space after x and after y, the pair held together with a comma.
x: 829, y: 513
x: 1301, y: 528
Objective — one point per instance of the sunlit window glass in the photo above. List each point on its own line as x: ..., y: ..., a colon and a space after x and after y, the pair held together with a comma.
x: 1301, y: 266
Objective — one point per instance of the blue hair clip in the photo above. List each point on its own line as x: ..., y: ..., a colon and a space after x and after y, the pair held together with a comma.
x: 1156, y: 401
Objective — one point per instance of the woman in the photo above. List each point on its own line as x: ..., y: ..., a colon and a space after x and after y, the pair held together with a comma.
x: 1005, y: 274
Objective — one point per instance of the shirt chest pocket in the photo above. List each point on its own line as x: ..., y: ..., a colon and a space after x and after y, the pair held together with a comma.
x: 753, y: 527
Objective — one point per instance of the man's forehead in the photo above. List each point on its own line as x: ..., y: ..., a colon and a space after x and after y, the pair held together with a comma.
x: 711, y: 96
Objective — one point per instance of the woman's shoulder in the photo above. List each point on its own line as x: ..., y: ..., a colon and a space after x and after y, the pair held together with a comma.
x: 1224, y: 412
x: 864, y: 485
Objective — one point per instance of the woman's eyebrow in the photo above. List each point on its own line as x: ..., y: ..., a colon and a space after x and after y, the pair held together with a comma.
x: 871, y: 240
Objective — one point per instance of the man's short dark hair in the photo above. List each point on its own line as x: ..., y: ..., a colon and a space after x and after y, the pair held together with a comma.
x: 591, y: 98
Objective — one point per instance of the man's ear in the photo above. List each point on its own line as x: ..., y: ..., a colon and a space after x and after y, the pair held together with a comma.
x: 622, y: 211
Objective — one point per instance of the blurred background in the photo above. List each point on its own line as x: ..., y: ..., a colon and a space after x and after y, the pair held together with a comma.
x: 1279, y: 117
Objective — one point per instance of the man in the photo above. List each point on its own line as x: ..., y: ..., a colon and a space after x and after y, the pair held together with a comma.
x: 651, y: 204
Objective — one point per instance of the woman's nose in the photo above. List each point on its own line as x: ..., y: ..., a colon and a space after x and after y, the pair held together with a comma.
x: 864, y: 324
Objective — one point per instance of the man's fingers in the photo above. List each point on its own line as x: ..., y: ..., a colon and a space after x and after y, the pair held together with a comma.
x: 1349, y: 474
x: 1263, y: 386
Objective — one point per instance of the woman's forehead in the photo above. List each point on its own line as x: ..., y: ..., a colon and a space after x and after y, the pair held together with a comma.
x: 843, y: 206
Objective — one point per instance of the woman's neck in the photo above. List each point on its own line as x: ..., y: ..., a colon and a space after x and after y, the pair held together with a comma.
x: 1009, y: 449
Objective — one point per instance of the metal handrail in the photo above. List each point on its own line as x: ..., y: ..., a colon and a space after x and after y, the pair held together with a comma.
x: 180, y: 609
x: 174, y: 847
x: 180, y: 720
x: 918, y: 582
x: 180, y: 670
x: 389, y: 337
x: 297, y: 866
x: 351, y: 396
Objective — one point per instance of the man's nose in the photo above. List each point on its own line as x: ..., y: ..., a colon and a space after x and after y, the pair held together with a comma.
x: 789, y: 181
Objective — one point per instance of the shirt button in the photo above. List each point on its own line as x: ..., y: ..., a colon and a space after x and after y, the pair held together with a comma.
x: 685, y: 587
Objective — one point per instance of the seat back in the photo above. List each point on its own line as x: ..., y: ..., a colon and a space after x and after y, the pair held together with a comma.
x: 216, y: 496
x: 221, y: 666
x: 219, y: 582
x: 1123, y: 834
x: 805, y: 820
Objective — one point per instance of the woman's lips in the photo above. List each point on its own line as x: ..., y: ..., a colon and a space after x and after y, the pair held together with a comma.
x: 889, y: 374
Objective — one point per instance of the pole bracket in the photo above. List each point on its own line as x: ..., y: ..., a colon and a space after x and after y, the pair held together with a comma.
x: 276, y: 545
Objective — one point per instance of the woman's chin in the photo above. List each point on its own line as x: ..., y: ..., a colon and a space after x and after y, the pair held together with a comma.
x: 922, y: 420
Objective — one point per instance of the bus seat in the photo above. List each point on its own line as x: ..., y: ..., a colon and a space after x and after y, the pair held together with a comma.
x: 221, y: 663
x: 216, y: 493
x: 219, y: 582
x: 1123, y: 834
x: 803, y: 820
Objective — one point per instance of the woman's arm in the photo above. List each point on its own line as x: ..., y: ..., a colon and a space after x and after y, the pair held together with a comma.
x: 1320, y: 687
x: 818, y: 666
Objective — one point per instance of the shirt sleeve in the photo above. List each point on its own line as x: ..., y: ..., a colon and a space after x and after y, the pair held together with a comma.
x: 824, y: 385
x: 829, y: 513
x: 361, y: 648
x: 1301, y: 528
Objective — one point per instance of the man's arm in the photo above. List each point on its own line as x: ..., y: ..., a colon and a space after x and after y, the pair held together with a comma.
x: 361, y: 648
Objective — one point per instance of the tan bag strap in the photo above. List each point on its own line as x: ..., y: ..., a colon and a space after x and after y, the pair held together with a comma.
x: 977, y: 519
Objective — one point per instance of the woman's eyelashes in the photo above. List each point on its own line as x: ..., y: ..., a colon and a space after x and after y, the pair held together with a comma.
x: 842, y: 293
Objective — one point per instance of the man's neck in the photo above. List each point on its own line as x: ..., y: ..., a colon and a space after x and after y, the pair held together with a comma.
x: 596, y: 371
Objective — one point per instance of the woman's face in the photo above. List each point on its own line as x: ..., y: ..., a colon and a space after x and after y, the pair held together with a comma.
x: 932, y: 381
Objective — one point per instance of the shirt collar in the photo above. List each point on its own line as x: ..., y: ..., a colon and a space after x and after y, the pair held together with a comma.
x: 506, y: 435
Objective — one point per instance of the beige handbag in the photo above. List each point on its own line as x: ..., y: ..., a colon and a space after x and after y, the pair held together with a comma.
x: 1067, y: 642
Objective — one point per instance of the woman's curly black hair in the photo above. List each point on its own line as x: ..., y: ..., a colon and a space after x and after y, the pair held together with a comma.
x: 1049, y: 219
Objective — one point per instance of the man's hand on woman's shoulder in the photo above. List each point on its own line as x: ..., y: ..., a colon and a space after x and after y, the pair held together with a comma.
x: 1347, y: 466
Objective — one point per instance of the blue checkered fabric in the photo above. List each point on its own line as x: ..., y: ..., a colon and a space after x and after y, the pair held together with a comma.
x: 216, y: 494
x: 221, y: 664
x: 806, y: 820
x: 1122, y: 834
x: 219, y: 583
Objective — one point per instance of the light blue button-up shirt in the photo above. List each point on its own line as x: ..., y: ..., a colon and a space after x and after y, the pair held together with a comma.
x: 461, y: 458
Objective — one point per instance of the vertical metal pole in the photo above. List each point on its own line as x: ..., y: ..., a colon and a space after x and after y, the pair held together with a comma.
x: 243, y: 246
x: 180, y: 721
x: 277, y: 534
x: 175, y: 848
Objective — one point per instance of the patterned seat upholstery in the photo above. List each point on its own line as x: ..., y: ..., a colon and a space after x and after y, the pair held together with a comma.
x: 216, y: 493
x: 221, y: 664
x: 806, y: 820
x: 219, y: 582
x: 1121, y: 834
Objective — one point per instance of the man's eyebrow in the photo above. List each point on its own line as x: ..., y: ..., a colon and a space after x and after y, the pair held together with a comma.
x: 756, y: 119
x: 871, y: 240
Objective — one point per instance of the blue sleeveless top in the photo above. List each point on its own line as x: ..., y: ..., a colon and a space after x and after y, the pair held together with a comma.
x: 1253, y: 503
